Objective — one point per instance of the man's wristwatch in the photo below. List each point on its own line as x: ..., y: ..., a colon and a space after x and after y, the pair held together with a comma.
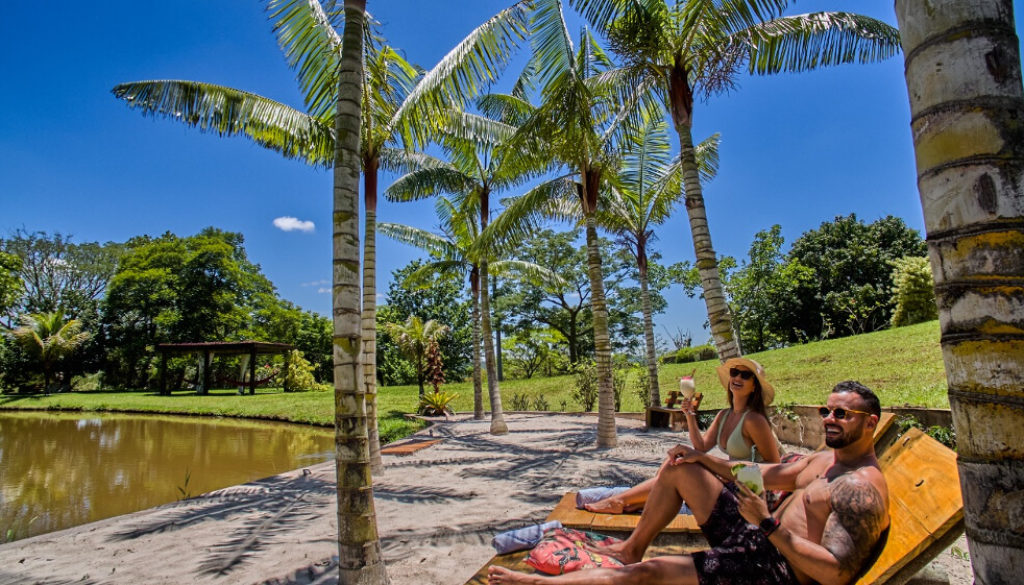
x: 769, y: 525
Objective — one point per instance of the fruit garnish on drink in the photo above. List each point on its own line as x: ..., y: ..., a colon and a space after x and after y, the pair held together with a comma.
x: 750, y: 476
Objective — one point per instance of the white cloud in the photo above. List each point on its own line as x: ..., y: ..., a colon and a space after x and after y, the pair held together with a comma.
x: 323, y: 290
x: 291, y: 224
x: 320, y: 282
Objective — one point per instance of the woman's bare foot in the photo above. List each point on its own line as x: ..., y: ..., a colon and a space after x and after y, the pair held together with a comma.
x: 612, y: 505
x: 496, y: 575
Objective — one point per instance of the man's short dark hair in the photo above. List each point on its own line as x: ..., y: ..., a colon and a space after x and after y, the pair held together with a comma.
x: 869, y: 397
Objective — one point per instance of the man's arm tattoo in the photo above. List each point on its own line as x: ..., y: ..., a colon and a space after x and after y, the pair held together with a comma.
x: 853, y: 527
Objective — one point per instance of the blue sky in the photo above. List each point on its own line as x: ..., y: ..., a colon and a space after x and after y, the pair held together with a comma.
x: 796, y: 150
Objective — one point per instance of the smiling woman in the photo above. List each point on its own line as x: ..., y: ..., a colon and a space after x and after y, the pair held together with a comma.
x: 62, y: 470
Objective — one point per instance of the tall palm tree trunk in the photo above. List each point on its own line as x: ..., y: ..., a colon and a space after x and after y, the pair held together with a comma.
x: 498, y: 426
x: 719, y: 315
x: 478, y: 391
x: 967, y: 105
x: 369, y: 318
x: 645, y: 306
x: 359, y: 552
x: 606, y: 436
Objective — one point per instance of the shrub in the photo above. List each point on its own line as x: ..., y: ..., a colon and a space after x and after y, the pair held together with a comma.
x: 619, y: 376
x: 697, y: 353
x: 540, y: 403
x: 913, y: 293
x: 640, y: 383
x: 437, y: 403
x: 297, y: 373
x: 520, y: 401
x: 585, y: 390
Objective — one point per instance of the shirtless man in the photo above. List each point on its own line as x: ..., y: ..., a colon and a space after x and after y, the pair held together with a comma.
x: 823, y: 534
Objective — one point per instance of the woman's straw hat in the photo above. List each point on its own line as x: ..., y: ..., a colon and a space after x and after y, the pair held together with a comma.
x: 767, y: 390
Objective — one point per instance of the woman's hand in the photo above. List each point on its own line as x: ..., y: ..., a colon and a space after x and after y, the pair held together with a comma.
x: 752, y: 507
x: 694, y: 404
x: 681, y: 454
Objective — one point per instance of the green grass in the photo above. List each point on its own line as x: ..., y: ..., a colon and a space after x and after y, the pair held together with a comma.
x: 904, y: 366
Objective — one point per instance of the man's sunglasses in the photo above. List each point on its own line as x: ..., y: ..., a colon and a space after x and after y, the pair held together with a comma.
x: 838, y: 413
x: 745, y: 374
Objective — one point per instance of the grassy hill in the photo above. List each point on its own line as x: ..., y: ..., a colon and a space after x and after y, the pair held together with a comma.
x: 904, y: 366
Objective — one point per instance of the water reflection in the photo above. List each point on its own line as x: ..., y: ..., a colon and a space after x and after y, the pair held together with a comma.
x: 62, y: 470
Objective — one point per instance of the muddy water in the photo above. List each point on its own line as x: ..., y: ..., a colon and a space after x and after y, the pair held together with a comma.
x: 62, y: 470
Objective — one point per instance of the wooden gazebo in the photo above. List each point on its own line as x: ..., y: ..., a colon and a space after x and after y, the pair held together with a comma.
x: 208, y: 349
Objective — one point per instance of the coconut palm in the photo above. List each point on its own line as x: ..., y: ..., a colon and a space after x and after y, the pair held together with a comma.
x: 645, y: 194
x: 359, y: 552
x: 477, y: 165
x: 691, y: 49
x: 974, y: 218
x: 580, y: 123
x: 414, y: 338
x: 450, y: 256
x: 48, y: 338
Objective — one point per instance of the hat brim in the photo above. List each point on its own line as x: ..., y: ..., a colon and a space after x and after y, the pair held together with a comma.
x: 767, y: 390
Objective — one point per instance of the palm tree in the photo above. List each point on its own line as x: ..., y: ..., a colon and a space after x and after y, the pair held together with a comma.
x: 359, y: 552
x: 647, y: 190
x: 48, y: 338
x: 965, y: 90
x: 693, y: 48
x: 414, y: 338
x: 450, y: 256
x: 580, y: 122
x: 477, y: 166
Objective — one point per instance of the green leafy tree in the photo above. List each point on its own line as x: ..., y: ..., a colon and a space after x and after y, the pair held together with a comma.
x: 764, y: 293
x: 10, y: 284
x: 172, y: 290
x: 852, y: 265
x: 913, y: 291
x: 683, y: 51
x: 48, y: 338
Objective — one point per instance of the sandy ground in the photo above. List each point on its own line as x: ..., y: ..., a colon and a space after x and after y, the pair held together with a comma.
x: 436, y: 512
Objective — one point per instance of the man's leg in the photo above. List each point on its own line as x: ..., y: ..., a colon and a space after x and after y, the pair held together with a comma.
x: 690, y: 481
x: 657, y: 571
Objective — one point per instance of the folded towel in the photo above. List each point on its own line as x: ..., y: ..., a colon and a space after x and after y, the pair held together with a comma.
x: 590, y: 495
x: 522, y: 538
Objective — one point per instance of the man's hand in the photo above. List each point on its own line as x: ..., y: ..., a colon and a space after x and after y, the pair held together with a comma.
x: 752, y: 507
x: 681, y: 454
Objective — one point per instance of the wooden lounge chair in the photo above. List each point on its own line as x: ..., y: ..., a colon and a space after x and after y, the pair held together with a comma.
x: 567, y: 513
x: 925, y: 509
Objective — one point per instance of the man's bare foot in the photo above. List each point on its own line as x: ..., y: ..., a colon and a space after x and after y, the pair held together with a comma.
x: 496, y: 575
x: 620, y: 551
x: 612, y: 505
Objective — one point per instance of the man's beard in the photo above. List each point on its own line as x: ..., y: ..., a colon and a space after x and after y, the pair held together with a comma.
x: 844, y: 438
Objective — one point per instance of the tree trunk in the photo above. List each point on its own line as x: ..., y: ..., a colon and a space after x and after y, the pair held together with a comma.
x: 359, y: 552
x: 707, y: 264
x: 652, y: 353
x: 498, y: 426
x: 606, y: 437
x: 478, y: 391
x: 369, y: 319
x: 967, y: 107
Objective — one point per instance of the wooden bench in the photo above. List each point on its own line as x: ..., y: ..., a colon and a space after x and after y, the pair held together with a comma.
x: 925, y: 510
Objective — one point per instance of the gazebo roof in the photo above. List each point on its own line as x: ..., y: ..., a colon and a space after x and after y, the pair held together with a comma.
x: 226, y: 347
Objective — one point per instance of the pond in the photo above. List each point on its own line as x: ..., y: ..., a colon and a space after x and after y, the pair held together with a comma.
x: 59, y: 470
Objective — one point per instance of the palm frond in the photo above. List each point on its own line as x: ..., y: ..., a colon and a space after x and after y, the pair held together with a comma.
x: 228, y: 112
x: 423, y: 183
x: 427, y: 241
x: 808, y: 41
x: 308, y: 36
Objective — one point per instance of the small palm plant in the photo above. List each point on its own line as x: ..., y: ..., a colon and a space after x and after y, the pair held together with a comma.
x: 48, y: 338
x: 436, y: 403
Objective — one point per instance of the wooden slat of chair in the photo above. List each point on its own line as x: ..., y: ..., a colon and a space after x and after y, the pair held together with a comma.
x: 925, y: 506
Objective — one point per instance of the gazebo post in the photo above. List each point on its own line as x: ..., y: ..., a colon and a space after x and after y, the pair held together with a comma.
x: 206, y: 372
x: 284, y: 385
x: 163, y: 372
x: 252, y: 371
